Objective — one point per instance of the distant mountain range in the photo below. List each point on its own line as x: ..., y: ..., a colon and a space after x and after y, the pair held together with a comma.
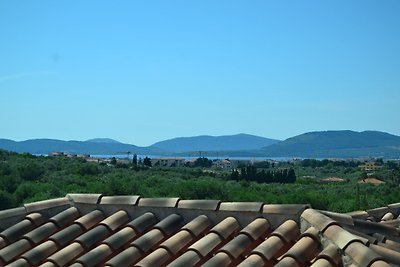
x: 324, y: 144
x: 94, y: 147
x: 337, y: 144
x: 215, y: 143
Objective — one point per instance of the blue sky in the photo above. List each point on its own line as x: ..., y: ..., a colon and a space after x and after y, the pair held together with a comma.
x: 144, y: 71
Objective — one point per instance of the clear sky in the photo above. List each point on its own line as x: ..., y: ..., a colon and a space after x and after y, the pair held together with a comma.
x: 144, y: 71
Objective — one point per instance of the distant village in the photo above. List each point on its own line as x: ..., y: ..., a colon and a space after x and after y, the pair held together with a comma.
x: 367, y: 164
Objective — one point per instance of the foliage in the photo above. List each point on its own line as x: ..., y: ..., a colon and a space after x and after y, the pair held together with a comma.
x: 25, y: 178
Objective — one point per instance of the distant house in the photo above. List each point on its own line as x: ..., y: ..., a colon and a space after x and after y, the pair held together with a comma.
x: 370, y: 166
x: 224, y: 164
x: 168, y: 162
x: 373, y: 181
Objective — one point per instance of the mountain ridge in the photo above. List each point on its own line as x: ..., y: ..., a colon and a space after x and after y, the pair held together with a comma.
x: 214, y: 143
x: 340, y: 143
x: 317, y: 144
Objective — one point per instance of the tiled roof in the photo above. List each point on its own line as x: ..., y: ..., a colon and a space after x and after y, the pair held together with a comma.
x: 94, y: 230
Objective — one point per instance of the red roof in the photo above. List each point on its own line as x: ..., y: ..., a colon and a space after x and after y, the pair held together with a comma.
x: 96, y: 230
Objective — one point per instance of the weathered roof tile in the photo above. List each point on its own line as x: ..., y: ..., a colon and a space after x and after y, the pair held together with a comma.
x: 95, y: 256
x: 40, y: 253
x: 272, y: 247
x: 65, y: 217
x: 340, y: 237
x: 361, y: 254
x: 214, y: 234
x: 119, y: 200
x: 46, y: 204
x: 116, y: 220
x: 316, y: 219
x: 242, y: 206
x: 65, y: 236
x: 66, y: 255
x: 198, y: 225
x: 203, y: 204
x: 221, y: 259
x: 226, y: 227
x: 288, y: 231
x: 85, y: 198
x: 89, y: 220
x: 159, y: 202
x: 257, y: 229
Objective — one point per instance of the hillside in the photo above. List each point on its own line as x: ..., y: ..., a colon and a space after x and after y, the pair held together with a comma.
x: 46, y: 146
x: 214, y: 143
x: 337, y: 144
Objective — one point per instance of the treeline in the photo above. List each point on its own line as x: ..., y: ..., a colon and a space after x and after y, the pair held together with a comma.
x: 25, y: 178
x: 251, y: 173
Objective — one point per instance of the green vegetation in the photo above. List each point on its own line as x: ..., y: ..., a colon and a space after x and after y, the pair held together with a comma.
x: 25, y: 178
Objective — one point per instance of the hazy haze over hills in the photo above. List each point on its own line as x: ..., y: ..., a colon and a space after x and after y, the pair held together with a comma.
x: 215, y: 143
x: 321, y: 144
x: 337, y: 144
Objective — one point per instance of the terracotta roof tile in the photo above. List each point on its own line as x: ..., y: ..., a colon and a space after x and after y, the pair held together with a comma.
x: 378, y: 212
x: 272, y: 248
x: 380, y: 264
x: 198, y: 225
x: 170, y: 224
x: 10, y: 252
x: 237, y: 246
x: 120, y: 238
x: 226, y: 227
x: 65, y: 256
x: 156, y: 258
x: 242, y: 206
x: 221, y: 259
x: 199, y: 204
x: 177, y: 242
x: 85, y: 198
x: 148, y: 240
x: 116, y: 220
x: 321, y: 262
x: 92, y: 230
x: 361, y: 254
x: 95, y: 256
x: 65, y: 236
x: 288, y: 231
x: 143, y: 222
x: 338, y: 217
x: 129, y: 255
x: 257, y: 229
x: 45, y: 204
x: 340, y: 237
x: 330, y: 253
x: 93, y: 236
x: 304, y: 250
x: 317, y: 220
x: 206, y: 244
x: 284, y: 208
x: 36, y: 218
x: 253, y: 260
x: 65, y: 217
x: 391, y: 256
x: 20, y: 263
x: 189, y: 258
x: 40, y: 252
x: 287, y: 262
x: 41, y: 233
x: 158, y: 202
x: 15, y: 232
x: 388, y: 216
x: 119, y: 200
